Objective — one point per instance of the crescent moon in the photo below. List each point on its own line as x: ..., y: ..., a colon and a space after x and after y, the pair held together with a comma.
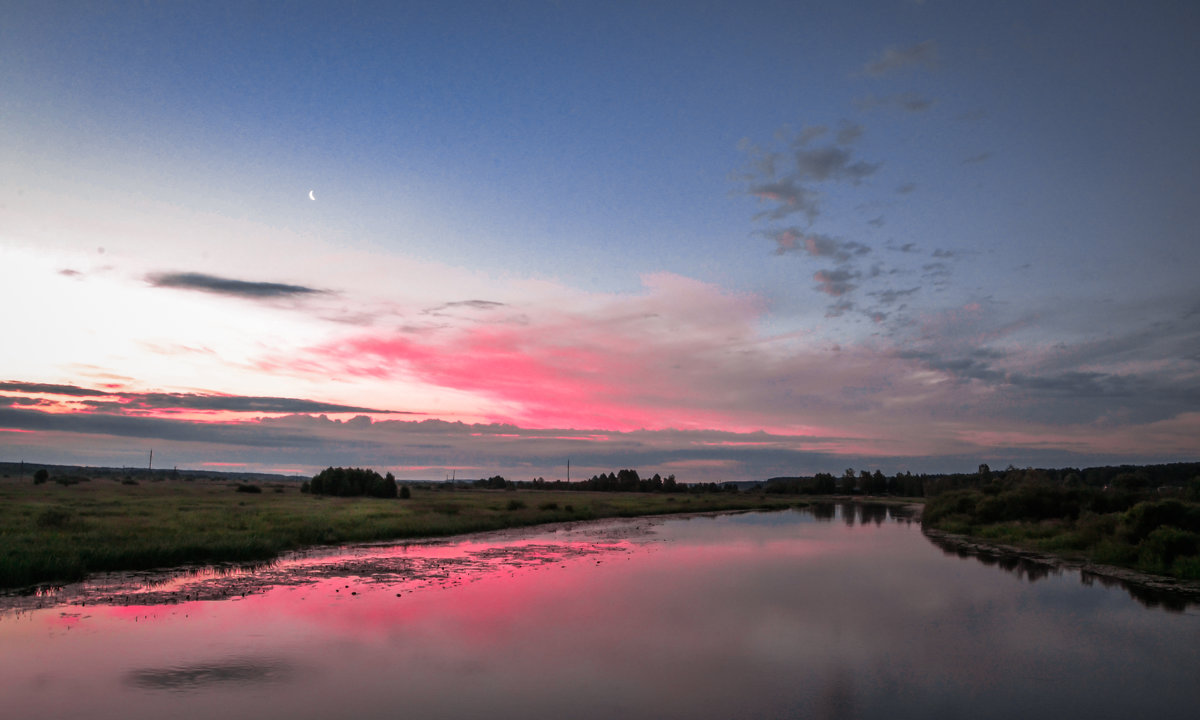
x: 311, y: 196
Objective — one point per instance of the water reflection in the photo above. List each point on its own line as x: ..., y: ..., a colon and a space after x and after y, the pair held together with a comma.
x: 237, y: 671
x: 794, y: 614
x: 1033, y: 567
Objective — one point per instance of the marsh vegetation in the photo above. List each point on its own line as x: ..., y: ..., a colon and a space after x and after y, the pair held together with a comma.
x: 54, y: 532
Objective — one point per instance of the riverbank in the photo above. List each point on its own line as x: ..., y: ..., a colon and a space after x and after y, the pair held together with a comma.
x: 58, y: 533
x: 1149, y: 588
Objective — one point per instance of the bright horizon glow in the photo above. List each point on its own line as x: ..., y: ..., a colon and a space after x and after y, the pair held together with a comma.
x: 750, y: 241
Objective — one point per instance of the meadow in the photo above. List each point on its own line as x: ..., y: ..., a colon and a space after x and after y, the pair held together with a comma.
x: 54, y: 532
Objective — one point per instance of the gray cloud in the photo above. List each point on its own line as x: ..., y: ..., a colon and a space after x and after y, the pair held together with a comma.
x: 227, y: 286
x: 441, y: 310
x: 976, y: 159
x: 118, y: 402
x: 790, y: 198
x: 849, y: 132
x: 815, y: 244
x: 836, y: 282
x: 831, y: 163
x: 1047, y: 394
x: 795, y: 181
x: 894, y: 59
x: 891, y: 297
x: 48, y: 389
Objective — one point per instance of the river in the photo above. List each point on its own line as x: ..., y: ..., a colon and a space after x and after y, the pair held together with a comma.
x: 846, y: 612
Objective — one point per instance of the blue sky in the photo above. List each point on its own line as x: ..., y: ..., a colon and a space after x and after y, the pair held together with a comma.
x: 733, y: 239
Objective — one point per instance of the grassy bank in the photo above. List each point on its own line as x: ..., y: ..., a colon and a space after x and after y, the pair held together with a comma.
x: 1141, y: 531
x: 57, y: 533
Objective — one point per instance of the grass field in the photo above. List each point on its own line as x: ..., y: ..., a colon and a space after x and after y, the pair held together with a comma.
x: 59, y: 533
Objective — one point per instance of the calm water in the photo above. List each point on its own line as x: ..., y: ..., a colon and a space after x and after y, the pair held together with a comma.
x: 758, y: 615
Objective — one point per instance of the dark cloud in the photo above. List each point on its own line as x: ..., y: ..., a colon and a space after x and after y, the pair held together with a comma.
x: 228, y: 286
x: 936, y: 270
x: 233, y: 403
x: 894, y: 59
x: 253, y: 434
x: 831, y: 163
x: 906, y: 188
x: 48, y: 389
x: 815, y: 244
x: 466, y: 304
x: 940, y: 253
x: 789, y: 198
x: 836, y: 282
x: 1067, y: 396
x: 115, y: 401
x: 891, y: 297
x: 976, y: 159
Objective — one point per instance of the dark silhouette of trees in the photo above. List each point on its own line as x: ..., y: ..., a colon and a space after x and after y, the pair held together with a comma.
x: 351, y: 482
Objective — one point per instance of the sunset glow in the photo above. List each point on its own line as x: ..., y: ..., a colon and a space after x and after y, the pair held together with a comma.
x: 896, y: 235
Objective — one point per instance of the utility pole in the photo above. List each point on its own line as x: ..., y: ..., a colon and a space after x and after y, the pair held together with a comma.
x: 568, y: 469
x: 150, y: 465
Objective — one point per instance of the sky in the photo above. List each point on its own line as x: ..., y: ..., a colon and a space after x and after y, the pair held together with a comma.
x: 720, y: 240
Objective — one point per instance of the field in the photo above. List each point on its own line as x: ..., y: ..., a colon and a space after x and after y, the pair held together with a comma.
x: 58, y: 533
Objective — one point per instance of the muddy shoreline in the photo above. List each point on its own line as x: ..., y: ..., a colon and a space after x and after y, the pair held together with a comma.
x: 410, y: 565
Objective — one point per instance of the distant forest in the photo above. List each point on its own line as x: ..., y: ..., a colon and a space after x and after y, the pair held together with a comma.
x: 1169, y: 477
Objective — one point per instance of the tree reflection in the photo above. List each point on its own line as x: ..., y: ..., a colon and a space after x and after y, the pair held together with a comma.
x: 1033, y: 569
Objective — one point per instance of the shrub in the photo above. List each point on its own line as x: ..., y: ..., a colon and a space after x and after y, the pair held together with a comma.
x: 548, y: 506
x: 350, y: 482
x: 1163, y: 546
x: 515, y: 505
x: 247, y: 488
x: 41, y: 476
x: 405, y: 493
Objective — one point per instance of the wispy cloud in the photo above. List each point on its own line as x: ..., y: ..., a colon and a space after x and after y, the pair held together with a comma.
x: 124, y: 402
x: 894, y: 59
x: 227, y: 286
x: 796, y: 182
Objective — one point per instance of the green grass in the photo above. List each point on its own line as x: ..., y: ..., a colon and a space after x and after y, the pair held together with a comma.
x: 59, y: 533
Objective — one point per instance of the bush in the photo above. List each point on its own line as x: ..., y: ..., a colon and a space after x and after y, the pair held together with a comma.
x: 247, y: 488
x: 548, y: 506
x: 1144, y: 518
x: 405, y: 493
x: 1159, y: 551
x: 41, y: 476
x: 515, y: 505
x: 351, y: 482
